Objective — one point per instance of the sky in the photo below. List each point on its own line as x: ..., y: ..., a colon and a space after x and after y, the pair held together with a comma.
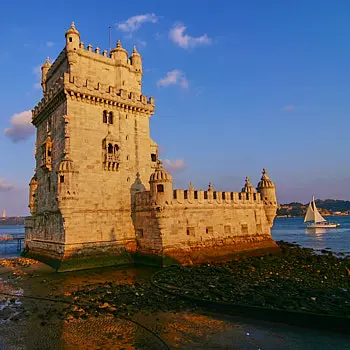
x: 238, y: 85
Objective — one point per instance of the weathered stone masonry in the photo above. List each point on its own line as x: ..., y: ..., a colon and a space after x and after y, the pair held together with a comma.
x: 99, y: 190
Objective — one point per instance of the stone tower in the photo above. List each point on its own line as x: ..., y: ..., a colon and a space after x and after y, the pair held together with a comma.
x: 92, y: 143
x: 268, y: 195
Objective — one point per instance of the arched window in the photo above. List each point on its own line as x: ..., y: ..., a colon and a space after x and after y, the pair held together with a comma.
x: 110, y: 148
x: 116, y: 148
x: 105, y: 117
x: 160, y: 188
x: 110, y: 118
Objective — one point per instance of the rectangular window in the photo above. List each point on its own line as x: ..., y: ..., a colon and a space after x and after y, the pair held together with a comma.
x: 244, y: 228
x: 190, y: 231
x: 61, y: 178
x: 209, y: 230
x: 153, y: 157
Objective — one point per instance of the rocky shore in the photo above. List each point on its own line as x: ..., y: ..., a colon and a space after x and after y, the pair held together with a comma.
x: 297, y: 280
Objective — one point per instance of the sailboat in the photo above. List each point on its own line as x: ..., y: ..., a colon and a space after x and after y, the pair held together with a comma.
x: 316, y: 219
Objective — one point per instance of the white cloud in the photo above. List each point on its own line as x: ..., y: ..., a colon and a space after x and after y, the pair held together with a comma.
x: 134, y: 23
x: 50, y: 43
x: 175, y: 165
x: 21, y: 128
x: 141, y: 43
x: 37, y: 73
x: 178, y: 36
x: 289, y: 108
x: 174, y: 77
x: 5, y: 186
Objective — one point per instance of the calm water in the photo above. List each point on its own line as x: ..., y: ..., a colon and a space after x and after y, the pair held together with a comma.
x: 286, y: 229
x: 9, y: 249
x: 293, y: 230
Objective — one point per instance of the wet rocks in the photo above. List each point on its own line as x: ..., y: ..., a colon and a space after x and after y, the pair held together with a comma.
x: 298, y: 279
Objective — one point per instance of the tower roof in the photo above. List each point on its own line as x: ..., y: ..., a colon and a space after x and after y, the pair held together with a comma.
x: 248, y: 187
x: 135, y: 52
x: 119, y: 48
x: 265, y: 181
x: 160, y: 174
x: 47, y: 63
x: 72, y: 30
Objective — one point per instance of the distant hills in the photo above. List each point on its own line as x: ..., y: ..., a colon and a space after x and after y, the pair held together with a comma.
x: 12, y: 220
x: 326, y: 207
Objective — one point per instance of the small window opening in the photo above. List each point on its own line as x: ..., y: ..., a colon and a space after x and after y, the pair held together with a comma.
x: 105, y: 117
x: 61, y: 178
x: 70, y: 39
x: 195, y: 194
x: 223, y: 195
x: 127, y: 157
x: 160, y: 188
x: 153, y: 157
x: 231, y: 196
x: 239, y: 196
x: 126, y: 137
x: 110, y: 118
x: 116, y: 148
x: 185, y: 194
x: 48, y: 153
x: 209, y: 229
x: 126, y: 117
x: 110, y: 148
x: 254, y: 196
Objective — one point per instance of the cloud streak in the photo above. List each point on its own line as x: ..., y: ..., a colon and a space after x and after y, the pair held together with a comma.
x: 174, y: 77
x: 178, y: 36
x: 176, y: 165
x: 134, y: 23
x: 21, y: 128
x: 289, y: 108
x: 4, y: 186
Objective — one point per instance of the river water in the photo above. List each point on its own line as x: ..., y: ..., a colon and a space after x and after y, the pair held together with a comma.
x: 287, y: 229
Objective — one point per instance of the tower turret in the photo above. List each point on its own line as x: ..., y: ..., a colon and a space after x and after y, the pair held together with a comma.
x: 119, y: 54
x: 248, y: 187
x: 161, y: 185
x: 136, y: 60
x: 267, y: 190
x: 72, y: 38
x: 44, y: 69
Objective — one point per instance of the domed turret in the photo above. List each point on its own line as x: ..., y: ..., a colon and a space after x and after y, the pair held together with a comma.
x: 119, y: 54
x: 161, y: 185
x: 267, y: 190
x: 44, y: 69
x: 66, y: 183
x: 248, y: 187
x: 72, y: 38
x: 136, y: 60
x: 65, y: 166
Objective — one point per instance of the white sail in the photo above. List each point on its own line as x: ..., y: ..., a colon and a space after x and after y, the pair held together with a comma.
x: 318, y: 216
x: 309, y: 213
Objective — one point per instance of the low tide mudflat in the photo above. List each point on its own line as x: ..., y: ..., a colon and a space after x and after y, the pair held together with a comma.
x: 116, y: 308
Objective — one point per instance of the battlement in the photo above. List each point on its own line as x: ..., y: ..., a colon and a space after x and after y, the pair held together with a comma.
x: 201, y: 197
x: 96, y: 92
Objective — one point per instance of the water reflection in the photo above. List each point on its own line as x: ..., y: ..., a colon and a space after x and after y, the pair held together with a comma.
x: 317, y: 232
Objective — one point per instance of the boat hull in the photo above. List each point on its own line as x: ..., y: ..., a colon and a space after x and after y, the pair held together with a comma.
x: 323, y: 225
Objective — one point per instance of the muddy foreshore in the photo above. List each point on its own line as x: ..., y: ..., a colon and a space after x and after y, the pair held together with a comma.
x: 81, y: 307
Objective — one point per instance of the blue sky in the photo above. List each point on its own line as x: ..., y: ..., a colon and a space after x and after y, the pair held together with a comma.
x: 239, y: 85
